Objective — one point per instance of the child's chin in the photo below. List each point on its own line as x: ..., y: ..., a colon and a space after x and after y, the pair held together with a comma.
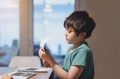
x: 69, y: 43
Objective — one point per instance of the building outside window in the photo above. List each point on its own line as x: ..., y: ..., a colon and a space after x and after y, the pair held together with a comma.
x: 9, y: 30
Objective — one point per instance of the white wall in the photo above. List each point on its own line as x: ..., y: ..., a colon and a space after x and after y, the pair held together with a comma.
x: 106, y: 39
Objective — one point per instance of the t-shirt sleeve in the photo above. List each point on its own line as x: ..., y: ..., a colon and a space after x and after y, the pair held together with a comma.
x: 80, y: 57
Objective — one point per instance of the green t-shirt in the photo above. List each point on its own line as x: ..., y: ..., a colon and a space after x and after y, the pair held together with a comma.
x: 81, y: 56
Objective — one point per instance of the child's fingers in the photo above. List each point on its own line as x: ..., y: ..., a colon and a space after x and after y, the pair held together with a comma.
x: 41, y: 53
x: 46, y: 64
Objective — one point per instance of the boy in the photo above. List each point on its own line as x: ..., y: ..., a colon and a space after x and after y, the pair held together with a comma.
x: 78, y: 62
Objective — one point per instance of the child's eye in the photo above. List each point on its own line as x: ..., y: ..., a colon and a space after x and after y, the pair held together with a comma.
x: 69, y: 31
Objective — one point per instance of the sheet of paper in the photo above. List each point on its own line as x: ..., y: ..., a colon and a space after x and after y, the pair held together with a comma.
x: 27, y: 72
x: 33, y: 69
x: 20, y: 75
x: 44, y: 41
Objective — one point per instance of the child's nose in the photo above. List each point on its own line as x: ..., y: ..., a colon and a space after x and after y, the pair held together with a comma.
x: 65, y: 34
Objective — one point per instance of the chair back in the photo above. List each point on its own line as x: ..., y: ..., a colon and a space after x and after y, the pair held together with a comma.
x: 25, y: 61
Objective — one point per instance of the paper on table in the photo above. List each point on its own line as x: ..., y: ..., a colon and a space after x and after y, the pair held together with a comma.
x: 27, y: 72
x: 20, y: 75
x: 33, y: 69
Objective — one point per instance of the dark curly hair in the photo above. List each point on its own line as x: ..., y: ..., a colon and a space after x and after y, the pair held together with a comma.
x: 80, y: 22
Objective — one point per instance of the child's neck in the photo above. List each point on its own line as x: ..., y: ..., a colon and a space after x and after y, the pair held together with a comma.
x: 78, y: 44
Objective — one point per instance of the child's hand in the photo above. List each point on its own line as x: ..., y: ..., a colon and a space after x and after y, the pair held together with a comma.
x: 46, y: 64
x: 44, y: 54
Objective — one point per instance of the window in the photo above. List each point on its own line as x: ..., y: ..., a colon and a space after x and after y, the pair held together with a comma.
x: 49, y: 16
x: 9, y: 30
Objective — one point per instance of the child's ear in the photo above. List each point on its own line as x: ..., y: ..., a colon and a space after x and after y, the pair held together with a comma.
x: 83, y: 34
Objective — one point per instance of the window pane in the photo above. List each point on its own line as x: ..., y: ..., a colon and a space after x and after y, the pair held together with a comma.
x: 49, y: 16
x: 9, y: 30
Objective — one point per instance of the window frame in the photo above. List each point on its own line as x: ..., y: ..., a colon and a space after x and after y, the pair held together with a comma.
x: 26, y: 25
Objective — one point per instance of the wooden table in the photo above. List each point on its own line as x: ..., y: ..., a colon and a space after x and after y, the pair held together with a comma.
x: 49, y: 75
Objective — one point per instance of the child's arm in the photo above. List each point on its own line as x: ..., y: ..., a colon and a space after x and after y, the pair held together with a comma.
x: 73, y: 73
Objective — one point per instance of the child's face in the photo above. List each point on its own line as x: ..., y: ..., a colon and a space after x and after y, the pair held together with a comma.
x: 71, y: 36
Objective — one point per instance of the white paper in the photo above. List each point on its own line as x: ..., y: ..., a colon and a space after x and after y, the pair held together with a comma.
x: 27, y: 72
x: 43, y: 42
x: 20, y: 75
x: 32, y: 69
